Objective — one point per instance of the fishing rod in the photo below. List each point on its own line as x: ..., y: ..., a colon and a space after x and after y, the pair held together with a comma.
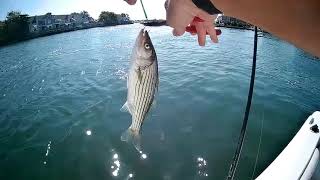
x: 236, y: 157
x: 144, y: 11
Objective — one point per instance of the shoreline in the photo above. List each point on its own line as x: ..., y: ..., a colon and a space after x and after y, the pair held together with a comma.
x: 56, y: 31
x: 60, y: 31
x: 235, y: 27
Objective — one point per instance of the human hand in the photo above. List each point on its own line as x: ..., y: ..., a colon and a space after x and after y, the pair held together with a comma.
x: 131, y: 2
x: 181, y: 13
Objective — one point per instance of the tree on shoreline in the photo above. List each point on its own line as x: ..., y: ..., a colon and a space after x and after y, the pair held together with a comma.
x: 125, y: 15
x: 107, y: 17
x: 85, y: 14
x: 2, y: 32
x: 15, y: 27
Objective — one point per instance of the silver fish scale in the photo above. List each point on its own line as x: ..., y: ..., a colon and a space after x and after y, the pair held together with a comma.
x: 141, y: 93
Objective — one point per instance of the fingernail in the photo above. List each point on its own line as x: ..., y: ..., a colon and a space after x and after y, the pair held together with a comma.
x: 202, y: 44
x: 214, y: 39
x: 176, y: 32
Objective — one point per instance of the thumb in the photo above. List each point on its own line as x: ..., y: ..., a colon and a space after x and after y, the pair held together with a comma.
x: 178, y: 31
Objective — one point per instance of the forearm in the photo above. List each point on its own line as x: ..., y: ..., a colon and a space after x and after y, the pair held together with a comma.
x: 294, y: 21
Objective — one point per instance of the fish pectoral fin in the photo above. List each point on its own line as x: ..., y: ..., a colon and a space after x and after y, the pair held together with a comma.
x: 132, y: 136
x: 139, y: 75
x: 127, y: 107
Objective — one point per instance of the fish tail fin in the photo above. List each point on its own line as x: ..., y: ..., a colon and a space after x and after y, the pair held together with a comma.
x: 132, y: 136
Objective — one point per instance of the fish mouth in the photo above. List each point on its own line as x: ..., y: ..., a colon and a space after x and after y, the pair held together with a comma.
x: 144, y: 33
x: 144, y: 37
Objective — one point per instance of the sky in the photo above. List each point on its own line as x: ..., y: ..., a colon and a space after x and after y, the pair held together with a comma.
x: 154, y: 8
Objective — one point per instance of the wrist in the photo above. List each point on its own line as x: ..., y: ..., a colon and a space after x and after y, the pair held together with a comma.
x: 207, y: 6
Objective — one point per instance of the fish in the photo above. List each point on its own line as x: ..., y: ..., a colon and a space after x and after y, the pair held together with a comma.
x: 142, y: 85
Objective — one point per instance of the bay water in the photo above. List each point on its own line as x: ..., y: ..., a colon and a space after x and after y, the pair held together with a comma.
x: 60, y: 100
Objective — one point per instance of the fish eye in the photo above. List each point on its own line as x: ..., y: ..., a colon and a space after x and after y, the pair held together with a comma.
x: 147, y: 46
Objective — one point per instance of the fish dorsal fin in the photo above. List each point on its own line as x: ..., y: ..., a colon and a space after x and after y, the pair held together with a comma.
x: 127, y: 107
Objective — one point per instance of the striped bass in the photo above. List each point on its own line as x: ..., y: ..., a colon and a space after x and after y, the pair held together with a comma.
x: 142, y: 84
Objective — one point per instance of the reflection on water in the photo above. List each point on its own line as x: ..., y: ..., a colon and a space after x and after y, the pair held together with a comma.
x: 47, y: 152
x: 130, y: 175
x: 115, y: 167
x: 143, y: 155
x: 202, y: 165
x: 88, y: 132
x: 61, y: 97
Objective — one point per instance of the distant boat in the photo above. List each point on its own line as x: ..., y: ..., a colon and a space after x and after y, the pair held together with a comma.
x: 154, y: 22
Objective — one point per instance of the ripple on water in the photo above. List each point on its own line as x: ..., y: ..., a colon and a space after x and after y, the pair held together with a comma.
x: 65, y: 91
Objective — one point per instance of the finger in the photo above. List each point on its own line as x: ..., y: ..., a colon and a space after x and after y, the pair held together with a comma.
x: 205, y: 16
x: 178, y: 31
x: 177, y: 17
x: 212, y: 32
x: 201, y: 34
x: 178, y: 25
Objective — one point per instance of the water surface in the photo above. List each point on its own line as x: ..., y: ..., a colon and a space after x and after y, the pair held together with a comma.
x: 60, y: 98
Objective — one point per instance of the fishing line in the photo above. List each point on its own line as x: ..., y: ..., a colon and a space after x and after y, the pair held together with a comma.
x: 259, y: 147
x: 237, y: 154
x: 236, y: 157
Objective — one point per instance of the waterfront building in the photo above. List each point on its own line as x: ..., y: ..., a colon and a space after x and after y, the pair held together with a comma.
x: 51, y: 22
x: 230, y: 21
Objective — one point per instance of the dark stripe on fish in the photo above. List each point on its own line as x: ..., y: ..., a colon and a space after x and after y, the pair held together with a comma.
x: 144, y: 95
